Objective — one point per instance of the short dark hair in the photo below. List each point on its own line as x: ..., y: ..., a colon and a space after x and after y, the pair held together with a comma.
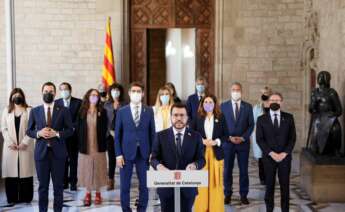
x: 236, y: 83
x: 48, y: 84
x: 119, y: 87
x: 275, y: 93
x: 67, y: 84
x: 178, y: 105
x: 136, y: 84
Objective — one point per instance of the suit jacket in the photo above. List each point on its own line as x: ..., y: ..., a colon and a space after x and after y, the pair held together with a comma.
x: 73, y: 108
x: 220, y: 130
x: 192, y: 106
x: 277, y: 140
x: 127, y: 135
x: 61, y: 122
x: 101, y: 132
x: 244, y: 125
x: 165, y: 153
x: 10, y: 157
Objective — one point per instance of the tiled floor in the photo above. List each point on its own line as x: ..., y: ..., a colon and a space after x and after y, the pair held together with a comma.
x: 299, y: 200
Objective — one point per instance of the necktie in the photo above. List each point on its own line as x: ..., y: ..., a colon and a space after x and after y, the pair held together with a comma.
x: 136, y: 116
x: 236, y: 111
x: 275, y: 122
x: 49, y: 118
x: 49, y: 123
x: 179, y: 144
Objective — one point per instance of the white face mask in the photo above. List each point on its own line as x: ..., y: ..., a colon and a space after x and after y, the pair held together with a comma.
x: 236, y: 96
x: 135, y: 97
x: 115, y: 93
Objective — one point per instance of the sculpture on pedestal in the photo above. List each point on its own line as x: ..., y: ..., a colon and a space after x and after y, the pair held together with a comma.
x: 324, y: 136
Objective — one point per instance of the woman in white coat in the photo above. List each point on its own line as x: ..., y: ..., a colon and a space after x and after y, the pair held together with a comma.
x: 161, y: 110
x: 259, y: 109
x: 18, y: 150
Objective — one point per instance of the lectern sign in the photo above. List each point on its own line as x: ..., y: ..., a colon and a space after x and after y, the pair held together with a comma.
x: 177, y: 178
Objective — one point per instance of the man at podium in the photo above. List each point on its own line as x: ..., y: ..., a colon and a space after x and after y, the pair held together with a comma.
x: 177, y: 148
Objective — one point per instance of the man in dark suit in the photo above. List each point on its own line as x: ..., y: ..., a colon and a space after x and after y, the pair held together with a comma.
x: 73, y: 105
x: 178, y: 148
x: 134, y: 135
x: 193, y: 100
x: 276, y: 136
x: 50, y: 125
x: 239, y: 119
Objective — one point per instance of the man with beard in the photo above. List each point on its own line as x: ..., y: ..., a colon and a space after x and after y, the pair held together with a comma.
x: 178, y: 148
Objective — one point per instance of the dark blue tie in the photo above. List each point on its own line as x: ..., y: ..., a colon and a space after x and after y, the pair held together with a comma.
x: 178, y: 144
x: 275, y: 122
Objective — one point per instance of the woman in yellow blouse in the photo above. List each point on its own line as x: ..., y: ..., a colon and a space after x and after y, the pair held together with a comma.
x: 161, y: 110
x: 211, y: 125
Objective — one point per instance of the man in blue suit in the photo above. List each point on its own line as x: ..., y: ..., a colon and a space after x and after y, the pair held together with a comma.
x: 50, y: 125
x: 73, y: 105
x: 239, y: 118
x: 134, y: 135
x: 178, y: 148
x: 193, y: 100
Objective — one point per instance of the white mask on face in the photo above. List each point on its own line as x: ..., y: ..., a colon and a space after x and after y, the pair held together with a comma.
x: 236, y: 95
x: 135, y: 97
x: 115, y: 93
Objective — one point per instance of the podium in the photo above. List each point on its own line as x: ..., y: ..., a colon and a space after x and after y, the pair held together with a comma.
x: 177, y: 179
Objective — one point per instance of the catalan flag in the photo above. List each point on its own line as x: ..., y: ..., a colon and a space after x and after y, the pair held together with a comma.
x: 108, y: 70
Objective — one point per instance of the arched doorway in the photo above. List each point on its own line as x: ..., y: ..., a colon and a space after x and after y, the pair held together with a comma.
x: 149, y: 19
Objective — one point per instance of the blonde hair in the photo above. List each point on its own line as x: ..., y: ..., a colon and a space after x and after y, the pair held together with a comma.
x: 267, y: 91
x: 160, y: 92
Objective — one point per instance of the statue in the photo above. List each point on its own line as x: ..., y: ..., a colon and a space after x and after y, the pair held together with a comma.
x: 324, y: 136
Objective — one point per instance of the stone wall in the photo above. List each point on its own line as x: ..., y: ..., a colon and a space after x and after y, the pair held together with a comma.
x: 61, y: 40
x: 261, y: 45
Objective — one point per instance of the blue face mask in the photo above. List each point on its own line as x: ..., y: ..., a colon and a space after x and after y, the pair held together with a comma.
x: 65, y: 94
x: 200, y: 88
x: 165, y: 99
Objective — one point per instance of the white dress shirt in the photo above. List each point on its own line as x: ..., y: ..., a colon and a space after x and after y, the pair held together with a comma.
x: 133, y: 109
x: 278, y: 116
x: 66, y: 102
x: 234, y: 107
x: 46, y: 110
x: 182, y: 134
x: 208, y: 126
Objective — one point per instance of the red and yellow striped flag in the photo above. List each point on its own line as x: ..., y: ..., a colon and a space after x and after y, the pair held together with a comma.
x: 108, y: 70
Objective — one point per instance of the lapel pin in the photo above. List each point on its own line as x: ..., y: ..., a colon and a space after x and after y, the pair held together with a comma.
x: 216, y: 120
x: 189, y: 134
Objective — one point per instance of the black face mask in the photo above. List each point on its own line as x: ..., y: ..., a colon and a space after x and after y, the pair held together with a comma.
x: 264, y: 98
x: 18, y: 100
x: 48, y: 98
x: 275, y: 106
x: 103, y: 94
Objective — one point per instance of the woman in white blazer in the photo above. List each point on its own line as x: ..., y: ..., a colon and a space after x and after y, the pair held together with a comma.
x: 161, y: 110
x: 259, y: 109
x: 18, y: 150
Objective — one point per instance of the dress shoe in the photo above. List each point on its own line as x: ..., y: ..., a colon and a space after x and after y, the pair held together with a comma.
x: 244, y: 201
x: 110, y: 185
x: 227, y: 200
x: 73, y: 188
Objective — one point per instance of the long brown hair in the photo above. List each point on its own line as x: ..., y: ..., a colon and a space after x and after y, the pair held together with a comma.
x: 159, y: 93
x: 11, y: 103
x: 85, y: 105
x: 216, y: 111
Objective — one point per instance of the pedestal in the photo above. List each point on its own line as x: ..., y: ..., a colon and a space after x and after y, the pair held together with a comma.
x: 322, y: 177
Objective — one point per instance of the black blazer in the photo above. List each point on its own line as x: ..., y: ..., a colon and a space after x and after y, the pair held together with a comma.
x: 220, y: 130
x: 164, y: 152
x: 281, y: 140
x: 101, y: 132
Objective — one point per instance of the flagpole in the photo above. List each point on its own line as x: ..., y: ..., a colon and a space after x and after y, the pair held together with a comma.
x: 10, y: 46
